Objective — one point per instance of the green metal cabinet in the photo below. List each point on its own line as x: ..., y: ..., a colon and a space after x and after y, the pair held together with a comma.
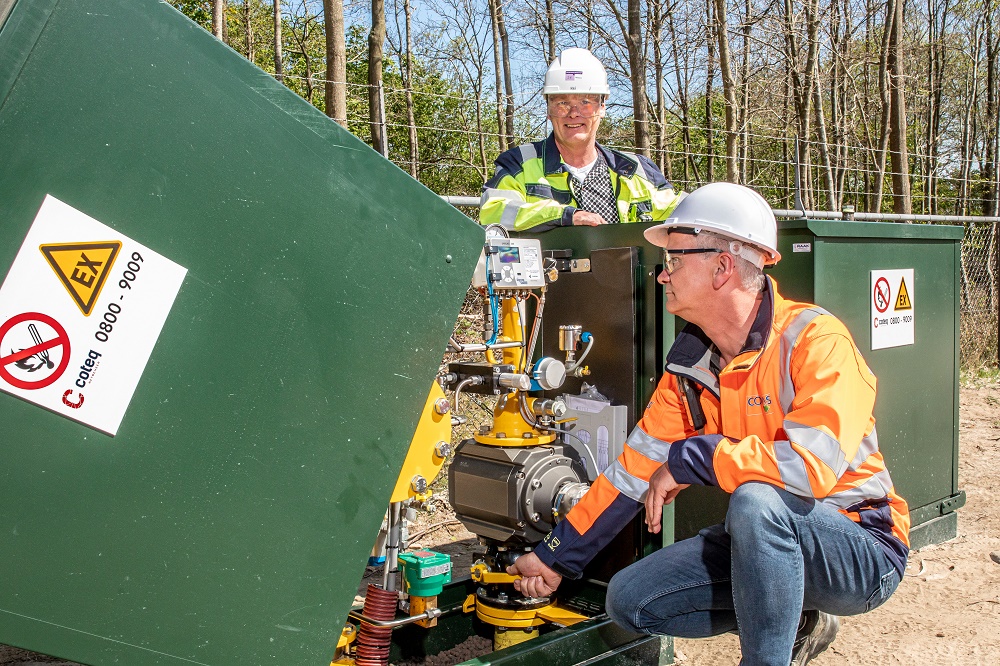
x: 230, y: 519
x: 830, y: 263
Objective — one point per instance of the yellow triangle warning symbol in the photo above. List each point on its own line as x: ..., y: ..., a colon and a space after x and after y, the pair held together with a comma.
x: 82, y: 268
x: 903, y: 298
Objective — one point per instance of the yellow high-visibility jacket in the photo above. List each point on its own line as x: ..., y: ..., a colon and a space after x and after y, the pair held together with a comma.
x: 531, y: 188
x: 793, y: 409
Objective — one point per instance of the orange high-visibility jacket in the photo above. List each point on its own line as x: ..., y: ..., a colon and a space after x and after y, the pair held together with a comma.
x: 793, y: 409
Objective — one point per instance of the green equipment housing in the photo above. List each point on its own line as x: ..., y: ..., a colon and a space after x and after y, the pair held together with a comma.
x: 230, y: 519
x: 824, y: 262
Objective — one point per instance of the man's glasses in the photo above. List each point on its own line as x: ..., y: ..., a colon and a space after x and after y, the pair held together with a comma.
x: 586, y: 107
x: 672, y: 258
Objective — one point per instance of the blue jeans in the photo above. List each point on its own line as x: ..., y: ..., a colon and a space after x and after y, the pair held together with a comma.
x: 776, y: 555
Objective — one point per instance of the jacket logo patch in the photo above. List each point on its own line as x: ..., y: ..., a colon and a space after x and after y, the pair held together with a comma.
x: 553, y: 543
x: 758, y: 404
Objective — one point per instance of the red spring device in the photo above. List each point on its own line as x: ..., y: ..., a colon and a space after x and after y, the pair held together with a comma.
x: 374, y: 642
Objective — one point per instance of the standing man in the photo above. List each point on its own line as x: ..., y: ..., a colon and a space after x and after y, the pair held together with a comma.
x: 771, y: 401
x: 570, y: 179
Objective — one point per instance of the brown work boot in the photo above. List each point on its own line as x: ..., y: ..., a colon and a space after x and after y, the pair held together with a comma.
x: 816, y: 631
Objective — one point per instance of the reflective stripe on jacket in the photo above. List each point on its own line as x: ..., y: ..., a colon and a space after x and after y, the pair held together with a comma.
x: 793, y: 409
x: 531, y: 189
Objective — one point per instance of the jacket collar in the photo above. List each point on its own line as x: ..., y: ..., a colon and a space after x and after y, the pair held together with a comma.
x: 695, y: 356
x: 621, y: 164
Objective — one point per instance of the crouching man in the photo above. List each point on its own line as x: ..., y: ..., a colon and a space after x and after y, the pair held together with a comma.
x: 771, y: 401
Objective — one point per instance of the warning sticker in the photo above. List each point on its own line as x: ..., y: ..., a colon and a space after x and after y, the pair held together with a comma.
x: 903, y: 297
x: 83, y: 268
x: 892, y: 310
x: 80, y: 312
x: 36, y: 348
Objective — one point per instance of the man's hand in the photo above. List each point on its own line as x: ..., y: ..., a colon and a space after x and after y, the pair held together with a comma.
x: 582, y: 218
x: 662, y: 491
x: 537, y: 579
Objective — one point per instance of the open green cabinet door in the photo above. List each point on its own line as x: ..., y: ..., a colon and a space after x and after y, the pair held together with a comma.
x: 264, y: 361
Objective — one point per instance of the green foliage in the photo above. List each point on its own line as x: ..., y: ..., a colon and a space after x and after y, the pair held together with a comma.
x: 199, y: 11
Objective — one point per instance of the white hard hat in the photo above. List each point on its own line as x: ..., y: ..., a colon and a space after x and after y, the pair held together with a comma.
x: 726, y: 209
x: 576, y: 71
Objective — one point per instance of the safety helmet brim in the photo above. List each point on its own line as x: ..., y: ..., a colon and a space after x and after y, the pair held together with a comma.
x: 725, y: 209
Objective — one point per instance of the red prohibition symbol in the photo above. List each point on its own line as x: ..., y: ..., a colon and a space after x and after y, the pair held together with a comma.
x: 60, y: 340
x: 881, y: 294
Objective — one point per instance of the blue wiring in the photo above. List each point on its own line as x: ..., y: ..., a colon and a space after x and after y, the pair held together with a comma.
x: 494, y: 311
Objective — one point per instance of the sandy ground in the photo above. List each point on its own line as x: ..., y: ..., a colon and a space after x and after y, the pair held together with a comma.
x: 946, y: 611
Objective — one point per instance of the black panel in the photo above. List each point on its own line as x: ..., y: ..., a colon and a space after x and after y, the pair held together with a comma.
x: 603, y: 302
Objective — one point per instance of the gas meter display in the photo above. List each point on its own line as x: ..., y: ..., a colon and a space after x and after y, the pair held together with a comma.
x: 509, y: 255
x: 510, y: 263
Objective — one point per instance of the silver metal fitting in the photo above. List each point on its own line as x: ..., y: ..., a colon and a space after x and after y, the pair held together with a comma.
x: 442, y: 449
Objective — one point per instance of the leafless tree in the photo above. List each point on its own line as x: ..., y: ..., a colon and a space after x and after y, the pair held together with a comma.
x: 219, y: 19
x: 376, y: 94
x: 335, y: 91
x: 279, y: 72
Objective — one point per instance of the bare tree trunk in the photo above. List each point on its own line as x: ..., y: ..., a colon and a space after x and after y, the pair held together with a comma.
x: 219, y: 19
x: 508, y: 81
x: 709, y: 118
x: 682, y: 93
x: 901, y: 200
x: 728, y: 90
x: 278, y: 64
x: 966, y: 147
x: 411, y: 122
x: 802, y: 88
x: 883, y: 89
x: 248, y: 30
x: 655, y: 35
x: 550, y: 28
x: 637, y: 72
x: 824, y: 146
x: 376, y: 100
x: 838, y: 97
x: 743, y: 120
x: 631, y: 28
x: 989, y: 131
x: 498, y: 74
x: 336, y: 61
x: 590, y: 25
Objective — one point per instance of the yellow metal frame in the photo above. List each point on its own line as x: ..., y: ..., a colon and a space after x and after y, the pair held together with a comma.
x: 422, y: 458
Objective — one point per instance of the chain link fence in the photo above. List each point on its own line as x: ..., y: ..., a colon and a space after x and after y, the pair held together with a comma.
x: 978, y: 330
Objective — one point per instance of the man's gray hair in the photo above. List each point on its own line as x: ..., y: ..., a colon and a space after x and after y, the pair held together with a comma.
x: 751, y: 277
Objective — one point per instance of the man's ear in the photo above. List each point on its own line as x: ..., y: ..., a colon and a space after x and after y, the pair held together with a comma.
x: 724, y: 271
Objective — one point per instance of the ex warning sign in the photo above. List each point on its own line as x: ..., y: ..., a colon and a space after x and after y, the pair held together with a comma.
x: 80, y: 312
x: 82, y: 268
x: 893, y: 311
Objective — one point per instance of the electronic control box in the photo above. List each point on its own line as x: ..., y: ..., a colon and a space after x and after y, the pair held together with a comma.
x: 510, y: 263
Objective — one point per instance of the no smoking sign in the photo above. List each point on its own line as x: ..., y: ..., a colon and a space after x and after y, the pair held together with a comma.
x: 34, y: 351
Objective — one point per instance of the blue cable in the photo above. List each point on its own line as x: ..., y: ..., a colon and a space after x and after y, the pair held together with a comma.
x: 493, y: 301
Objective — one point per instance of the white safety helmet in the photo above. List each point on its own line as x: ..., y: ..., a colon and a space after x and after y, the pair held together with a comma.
x: 576, y: 71
x: 729, y: 210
